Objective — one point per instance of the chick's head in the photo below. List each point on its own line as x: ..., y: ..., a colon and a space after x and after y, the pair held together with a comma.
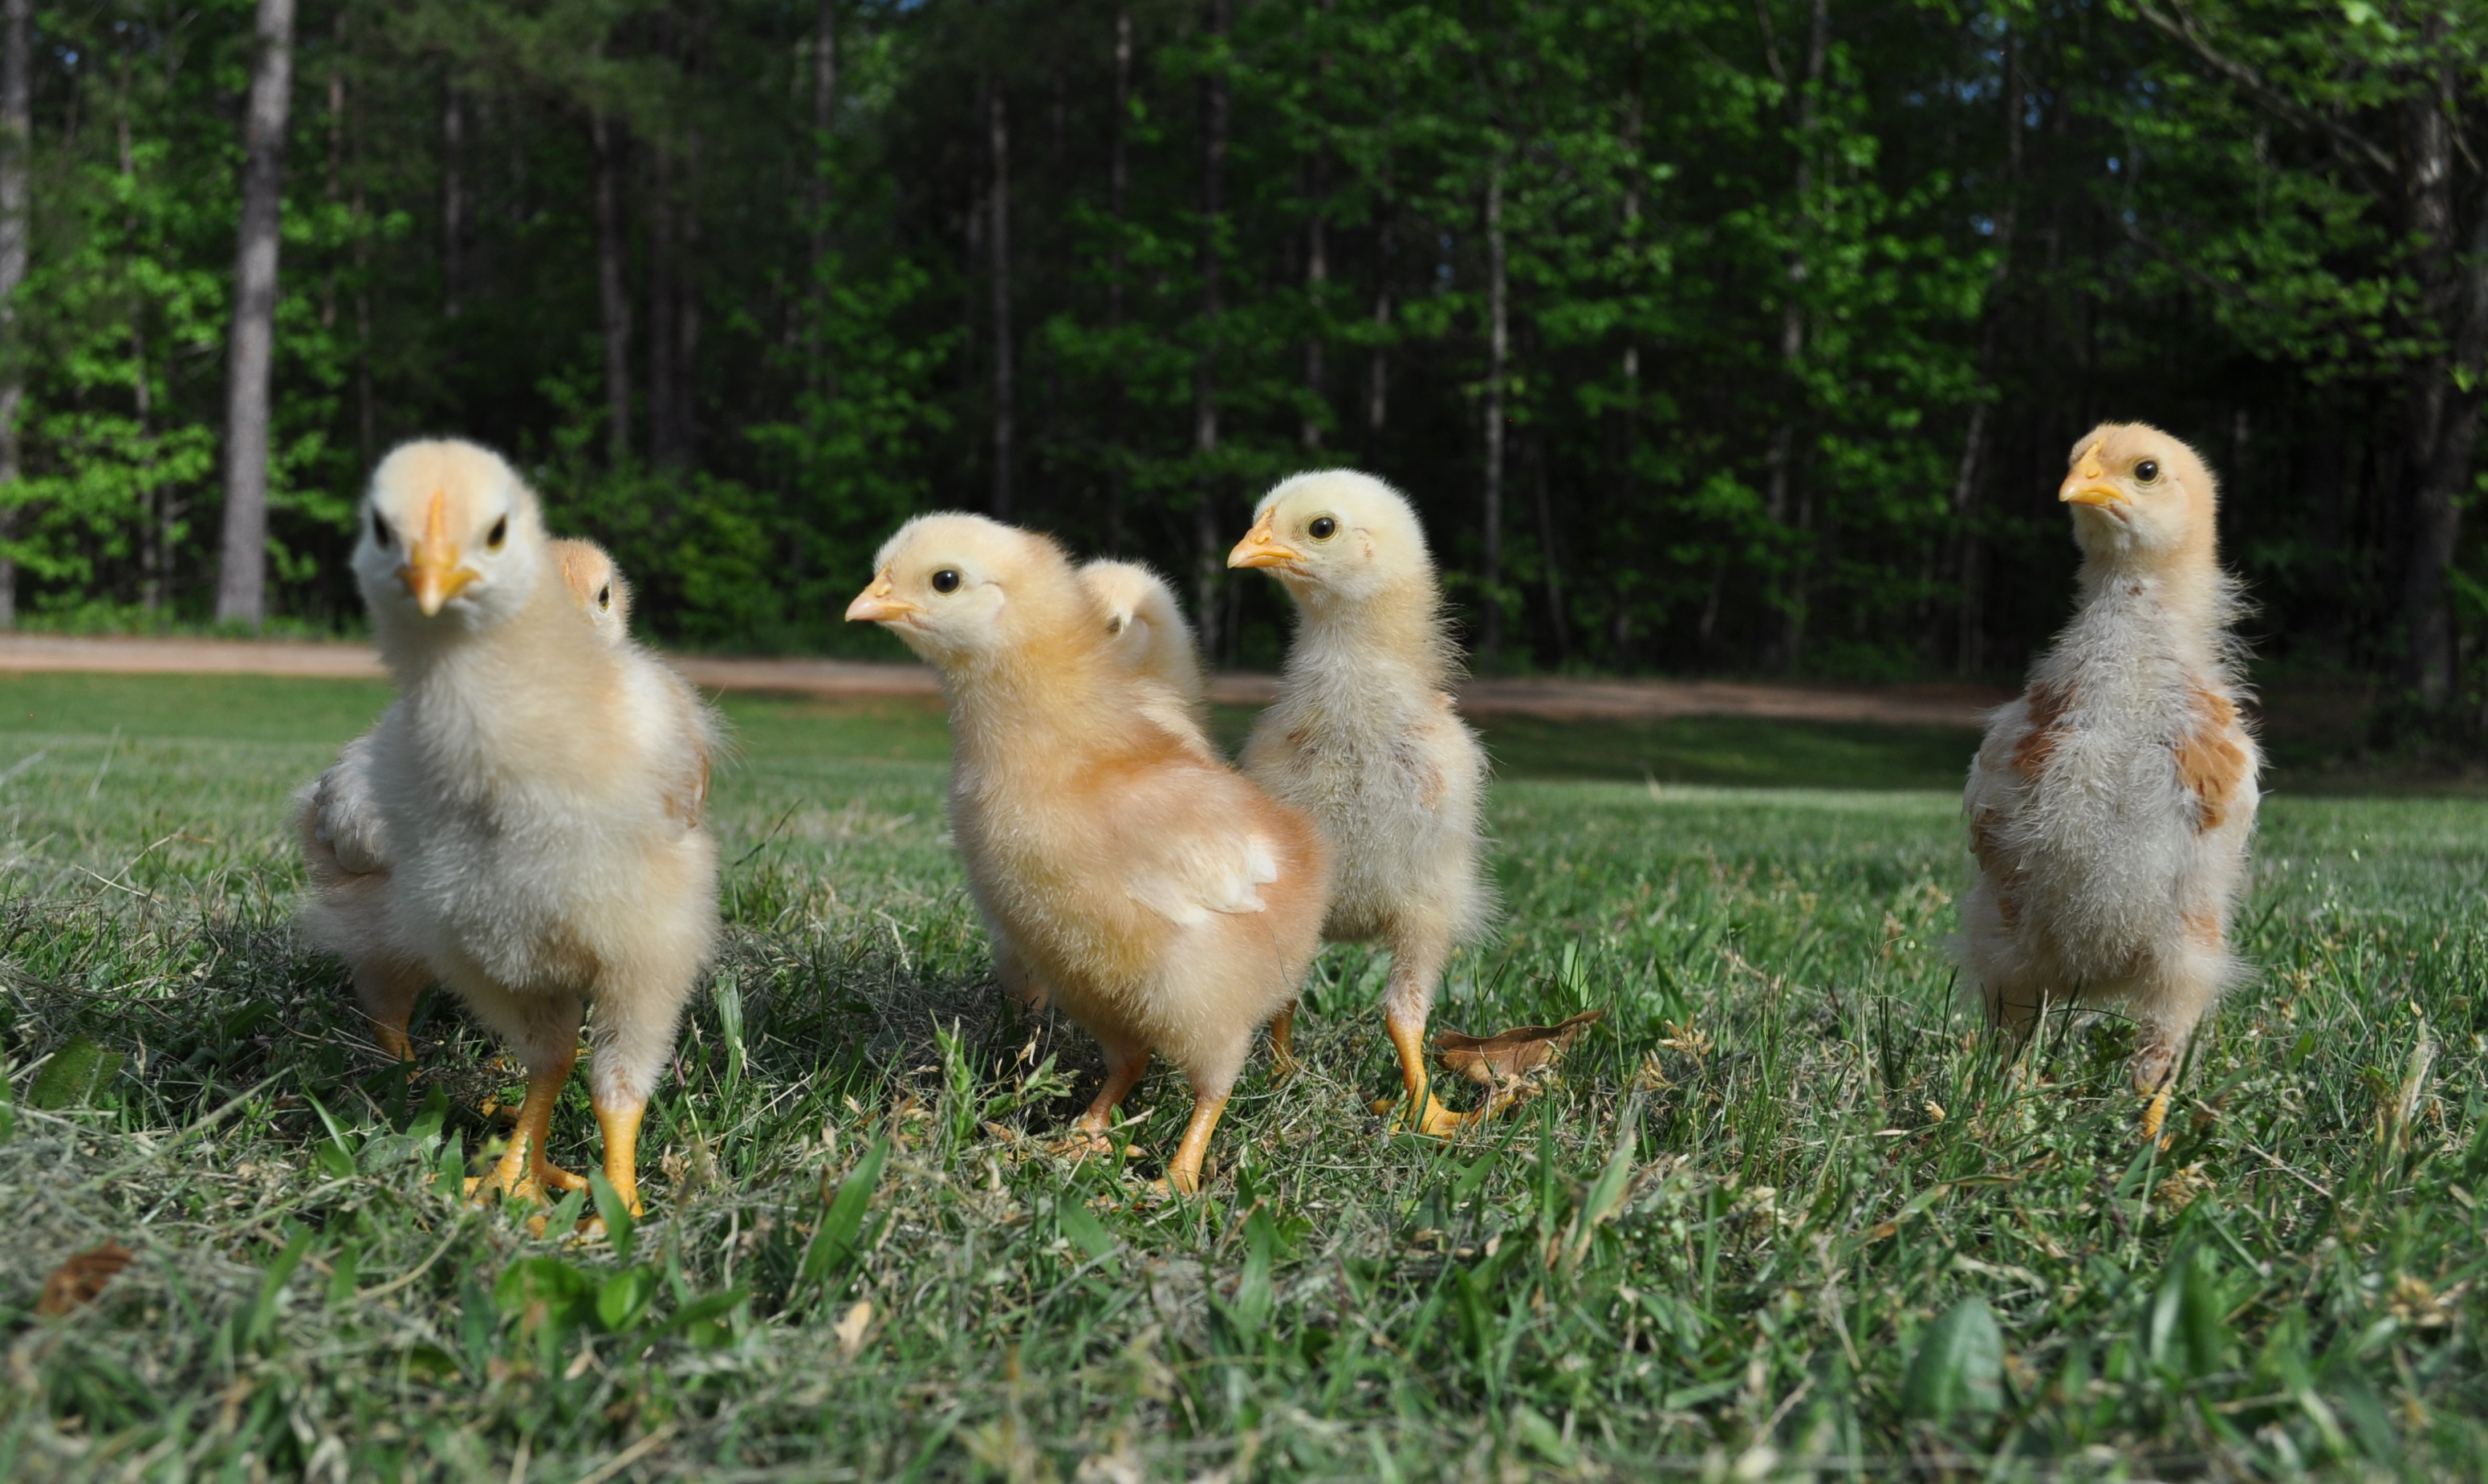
x: 448, y: 531
x: 959, y: 588
x: 2140, y: 495
x: 603, y: 594
x: 1335, y: 535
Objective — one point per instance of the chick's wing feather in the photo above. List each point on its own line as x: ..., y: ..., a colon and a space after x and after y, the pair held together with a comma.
x: 1189, y: 847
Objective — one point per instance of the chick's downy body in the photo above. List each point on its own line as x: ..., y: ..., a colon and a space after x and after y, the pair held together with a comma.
x: 1364, y: 737
x: 2110, y: 807
x: 344, y: 837
x: 541, y: 786
x: 1154, y: 894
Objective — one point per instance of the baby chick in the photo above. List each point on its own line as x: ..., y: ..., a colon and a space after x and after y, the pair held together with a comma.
x: 540, y: 787
x: 1152, y: 639
x: 1363, y: 737
x: 1164, y: 902
x: 2110, y: 807
x: 345, y: 845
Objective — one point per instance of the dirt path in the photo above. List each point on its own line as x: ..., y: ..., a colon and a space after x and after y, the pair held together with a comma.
x: 1551, y: 698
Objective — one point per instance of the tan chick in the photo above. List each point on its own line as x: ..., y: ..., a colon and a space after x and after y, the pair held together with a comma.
x: 1162, y: 902
x: 541, y: 787
x: 2110, y: 807
x: 1154, y: 642
x: 1364, y: 737
x: 345, y: 844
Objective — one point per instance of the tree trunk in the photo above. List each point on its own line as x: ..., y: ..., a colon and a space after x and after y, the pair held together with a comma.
x: 2443, y: 416
x: 1780, y: 452
x: 241, y: 579
x: 334, y: 185
x: 1970, y: 555
x: 1208, y: 550
x: 16, y: 140
x: 825, y: 117
x: 155, y: 543
x: 453, y: 203
x: 1550, y: 570
x: 1498, y: 356
x: 1118, y: 174
x: 1308, y: 432
x: 998, y: 242
x: 665, y: 447
x: 612, y: 290
x: 687, y: 304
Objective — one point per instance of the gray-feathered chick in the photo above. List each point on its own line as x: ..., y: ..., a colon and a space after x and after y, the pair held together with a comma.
x: 1364, y: 737
x: 2110, y: 807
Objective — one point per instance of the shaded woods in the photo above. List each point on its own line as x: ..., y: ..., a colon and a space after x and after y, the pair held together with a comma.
x: 1718, y: 334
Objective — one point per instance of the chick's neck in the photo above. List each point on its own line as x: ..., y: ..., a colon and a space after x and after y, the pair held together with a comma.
x: 1397, y: 630
x: 2183, y: 595
x: 1043, y: 704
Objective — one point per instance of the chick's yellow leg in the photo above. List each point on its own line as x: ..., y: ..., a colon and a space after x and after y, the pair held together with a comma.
x: 1416, y: 964
x: 1425, y: 1115
x: 387, y: 992
x: 1282, y: 1046
x: 1125, y: 1065
x: 619, y: 1122
x: 1185, y: 1172
x: 522, y: 1169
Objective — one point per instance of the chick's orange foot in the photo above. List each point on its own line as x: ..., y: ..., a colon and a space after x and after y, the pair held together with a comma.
x: 1432, y: 1119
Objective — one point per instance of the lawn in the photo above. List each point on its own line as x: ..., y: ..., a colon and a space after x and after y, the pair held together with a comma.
x: 1777, y: 1214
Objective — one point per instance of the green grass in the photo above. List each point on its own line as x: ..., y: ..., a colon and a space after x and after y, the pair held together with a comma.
x: 1741, y: 1235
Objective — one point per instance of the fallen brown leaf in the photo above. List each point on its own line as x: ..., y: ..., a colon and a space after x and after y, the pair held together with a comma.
x: 77, y: 1282
x: 1505, y: 1056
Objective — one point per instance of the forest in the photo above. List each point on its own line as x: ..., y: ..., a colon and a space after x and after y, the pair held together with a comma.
x: 1708, y: 335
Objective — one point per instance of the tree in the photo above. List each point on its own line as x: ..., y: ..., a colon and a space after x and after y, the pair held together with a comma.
x: 242, y: 584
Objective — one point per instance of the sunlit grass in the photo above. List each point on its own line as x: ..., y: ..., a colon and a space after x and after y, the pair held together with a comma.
x: 1738, y: 1235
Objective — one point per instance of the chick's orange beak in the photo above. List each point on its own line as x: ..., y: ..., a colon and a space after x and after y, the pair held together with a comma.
x: 879, y: 603
x: 2088, y: 484
x: 433, y: 573
x: 1261, y: 547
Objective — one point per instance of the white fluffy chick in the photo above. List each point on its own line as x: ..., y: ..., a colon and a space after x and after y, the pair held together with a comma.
x: 1152, y: 637
x: 345, y: 841
x: 1164, y: 902
x: 1364, y: 737
x: 541, y: 787
x: 2110, y: 807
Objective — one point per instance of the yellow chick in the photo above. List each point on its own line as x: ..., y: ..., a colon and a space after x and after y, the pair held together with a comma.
x: 1162, y: 900
x: 345, y: 845
x: 541, y: 788
x: 2110, y: 807
x: 1363, y: 737
x: 1152, y: 637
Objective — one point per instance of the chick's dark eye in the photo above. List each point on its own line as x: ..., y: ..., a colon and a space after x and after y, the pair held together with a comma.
x: 499, y: 533
x: 605, y: 597
x: 946, y: 581
x: 2147, y: 470
x: 380, y: 530
x: 1322, y: 528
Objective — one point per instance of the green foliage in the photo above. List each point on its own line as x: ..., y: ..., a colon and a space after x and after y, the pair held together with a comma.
x: 1801, y: 316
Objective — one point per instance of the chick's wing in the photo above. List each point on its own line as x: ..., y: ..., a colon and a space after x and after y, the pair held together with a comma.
x: 1187, y: 846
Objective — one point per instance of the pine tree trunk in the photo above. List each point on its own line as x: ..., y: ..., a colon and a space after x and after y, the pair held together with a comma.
x: 1118, y: 174
x: 16, y: 139
x: 997, y: 241
x: 242, y: 577
x: 2443, y: 419
x: 664, y: 450
x: 825, y: 117
x: 1969, y: 555
x: 612, y: 290
x: 1498, y: 356
x: 687, y: 305
x: 453, y: 203
x: 1308, y: 432
x: 1208, y: 551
